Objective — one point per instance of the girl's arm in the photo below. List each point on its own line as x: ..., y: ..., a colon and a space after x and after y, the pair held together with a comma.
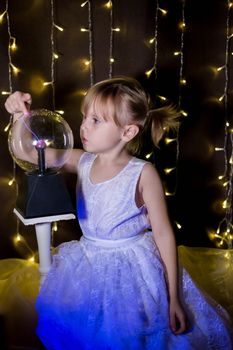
x: 19, y: 103
x: 153, y: 195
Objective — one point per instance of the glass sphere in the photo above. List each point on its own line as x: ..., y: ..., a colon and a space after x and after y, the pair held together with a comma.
x: 41, y: 130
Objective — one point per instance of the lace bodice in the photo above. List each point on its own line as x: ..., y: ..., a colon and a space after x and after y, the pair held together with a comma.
x: 108, y: 210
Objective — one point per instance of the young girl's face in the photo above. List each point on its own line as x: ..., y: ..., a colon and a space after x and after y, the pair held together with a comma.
x: 99, y: 134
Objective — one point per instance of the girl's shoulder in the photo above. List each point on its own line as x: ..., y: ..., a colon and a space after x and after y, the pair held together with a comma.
x: 85, y: 159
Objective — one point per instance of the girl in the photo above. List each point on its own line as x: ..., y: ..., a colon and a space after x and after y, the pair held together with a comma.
x: 117, y: 288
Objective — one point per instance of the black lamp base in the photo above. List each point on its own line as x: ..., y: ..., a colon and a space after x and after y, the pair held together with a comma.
x: 43, y: 195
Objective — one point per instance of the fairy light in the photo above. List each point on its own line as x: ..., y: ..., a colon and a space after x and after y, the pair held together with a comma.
x: 168, y: 140
x: 14, y: 69
x: 11, y: 182
x: 168, y: 170
x: 53, y: 54
x: 31, y: 259
x: 178, y: 225
x: 2, y: 16
x: 155, y: 41
x: 60, y: 111
x: 219, y: 69
x: 47, y: 83
x: 148, y: 72
x: 89, y: 30
x: 111, y: 38
x: 7, y: 127
x: 225, y: 228
x: 13, y: 45
x: 108, y: 4
x: 84, y: 3
x: 164, y: 12
x: 185, y: 114
x: 163, y: 98
x: 57, y: 26
x: 84, y: 30
x: 148, y: 155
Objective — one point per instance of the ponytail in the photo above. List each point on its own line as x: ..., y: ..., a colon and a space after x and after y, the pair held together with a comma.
x: 161, y: 120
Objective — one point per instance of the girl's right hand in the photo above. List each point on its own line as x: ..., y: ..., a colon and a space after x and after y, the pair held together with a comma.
x: 18, y: 103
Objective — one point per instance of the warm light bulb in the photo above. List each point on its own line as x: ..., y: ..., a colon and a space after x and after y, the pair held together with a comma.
x: 83, y: 30
x: 220, y: 68
x: 55, y: 55
x: 84, y: 3
x: 1, y: 16
x: 177, y: 53
x: 117, y: 29
x: 151, y: 40
x: 108, y: 4
x: 13, y: 45
x: 46, y: 83
x: 185, y: 114
x: 168, y: 170
x: 10, y: 182
x: 163, y: 98
x: 178, y: 225
x: 112, y: 60
x: 167, y: 140
x: 5, y: 92
x: 148, y: 155
x: 217, y: 149
x: 169, y: 194
x: 60, y: 111
x: 58, y: 27
x: 225, y: 204
x: 148, y: 72
x: 31, y: 259
x: 7, y: 127
x: 183, y: 81
x: 182, y: 25
x: 15, y: 69
x: 164, y: 12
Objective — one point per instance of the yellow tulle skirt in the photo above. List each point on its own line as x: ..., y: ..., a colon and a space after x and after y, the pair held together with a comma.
x: 210, y: 268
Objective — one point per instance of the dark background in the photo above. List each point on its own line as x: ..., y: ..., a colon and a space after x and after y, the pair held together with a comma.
x: 196, y: 204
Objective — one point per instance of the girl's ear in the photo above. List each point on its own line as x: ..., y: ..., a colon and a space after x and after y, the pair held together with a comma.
x: 129, y: 132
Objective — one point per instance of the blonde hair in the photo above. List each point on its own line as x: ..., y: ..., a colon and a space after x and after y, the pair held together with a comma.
x: 124, y: 100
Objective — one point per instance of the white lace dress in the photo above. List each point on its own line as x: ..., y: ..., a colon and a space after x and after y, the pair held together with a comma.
x: 108, y: 290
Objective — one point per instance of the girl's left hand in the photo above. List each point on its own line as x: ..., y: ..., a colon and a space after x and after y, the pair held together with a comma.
x: 178, y: 319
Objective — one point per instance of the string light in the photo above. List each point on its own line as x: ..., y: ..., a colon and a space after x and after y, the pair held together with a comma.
x: 225, y: 228
x: 89, y: 30
x: 110, y: 6
x: 155, y: 41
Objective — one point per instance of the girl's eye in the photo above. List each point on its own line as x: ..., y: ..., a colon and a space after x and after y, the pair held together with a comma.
x: 96, y: 120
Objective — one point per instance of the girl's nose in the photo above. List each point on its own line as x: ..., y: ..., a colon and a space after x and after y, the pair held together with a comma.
x: 83, y: 125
